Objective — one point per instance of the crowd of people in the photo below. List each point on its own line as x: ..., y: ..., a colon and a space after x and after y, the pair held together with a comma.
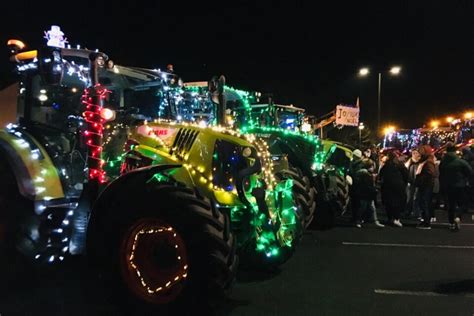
x: 412, y: 186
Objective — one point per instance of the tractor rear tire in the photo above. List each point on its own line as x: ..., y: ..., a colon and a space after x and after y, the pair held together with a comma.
x: 13, y: 206
x: 304, y: 193
x: 24, y: 234
x: 8, y: 197
x: 335, y: 204
x: 185, y: 240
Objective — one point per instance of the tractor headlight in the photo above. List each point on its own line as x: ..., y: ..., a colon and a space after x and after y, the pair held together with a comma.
x: 246, y: 152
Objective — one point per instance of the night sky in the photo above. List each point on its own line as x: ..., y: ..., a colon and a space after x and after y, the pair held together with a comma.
x: 304, y: 53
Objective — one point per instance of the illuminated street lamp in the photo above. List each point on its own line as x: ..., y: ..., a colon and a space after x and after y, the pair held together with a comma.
x: 468, y: 115
x: 364, y: 72
x: 434, y: 124
x: 394, y: 71
x: 449, y: 119
x: 389, y: 130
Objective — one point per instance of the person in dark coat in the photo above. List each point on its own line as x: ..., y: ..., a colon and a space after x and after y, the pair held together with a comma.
x: 412, y: 166
x: 356, y: 164
x: 365, y: 193
x: 394, y: 178
x: 424, y: 182
x: 453, y: 177
x: 468, y: 155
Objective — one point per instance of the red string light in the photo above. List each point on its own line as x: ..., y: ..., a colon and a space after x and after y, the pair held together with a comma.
x: 93, y: 98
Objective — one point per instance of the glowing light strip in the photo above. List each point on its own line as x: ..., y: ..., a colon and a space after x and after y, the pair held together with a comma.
x: 94, y: 133
x: 174, y: 280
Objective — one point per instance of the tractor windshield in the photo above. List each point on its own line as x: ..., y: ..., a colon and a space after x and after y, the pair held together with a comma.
x: 288, y: 120
x: 283, y: 116
x: 138, y: 92
x: 52, y: 90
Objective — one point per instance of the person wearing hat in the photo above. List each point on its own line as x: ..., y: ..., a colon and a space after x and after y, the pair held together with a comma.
x: 454, y: 175
x: 357, y: 153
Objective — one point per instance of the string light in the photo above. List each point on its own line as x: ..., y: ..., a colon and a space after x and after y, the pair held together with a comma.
x: 275, y: 229
x: 182, y: 269
x: 93, y: 98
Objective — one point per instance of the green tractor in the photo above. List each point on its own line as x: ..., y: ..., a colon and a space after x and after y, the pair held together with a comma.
x: 159, y: 207
x: 318, y: 168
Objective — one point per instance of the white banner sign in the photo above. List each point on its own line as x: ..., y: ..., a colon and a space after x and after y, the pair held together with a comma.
x: 347, y: 116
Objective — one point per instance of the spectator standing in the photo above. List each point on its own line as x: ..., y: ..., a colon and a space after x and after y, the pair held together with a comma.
x: 365, y: 193
x: 394, y: 178
x: 424, y: 182
x: 356, y: 164
x: 435, y: 201
x: 375, y: 157
x: 412, y: 165
x: 468, y: 155
x: 454, y: 175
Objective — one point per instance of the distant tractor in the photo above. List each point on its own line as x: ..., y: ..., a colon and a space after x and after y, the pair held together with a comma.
x: 87, y: 170
x: 323, y: 165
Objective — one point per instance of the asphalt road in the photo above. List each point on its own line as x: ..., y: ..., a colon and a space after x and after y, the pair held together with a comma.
x: 370, y: 271
x: 342, y: 271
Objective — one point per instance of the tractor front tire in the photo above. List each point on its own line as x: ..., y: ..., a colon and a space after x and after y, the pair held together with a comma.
x: 163, y: 246
x: 304, y: 193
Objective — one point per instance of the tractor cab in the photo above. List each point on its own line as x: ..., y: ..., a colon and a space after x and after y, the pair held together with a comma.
x: 50, y: 92
x: 51, y: 104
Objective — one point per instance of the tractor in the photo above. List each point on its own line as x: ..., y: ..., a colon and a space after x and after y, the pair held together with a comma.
x: 318, y: 168
x: 158, y: 207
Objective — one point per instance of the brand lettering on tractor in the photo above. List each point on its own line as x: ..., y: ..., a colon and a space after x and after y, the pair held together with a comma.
x: 160, y: 132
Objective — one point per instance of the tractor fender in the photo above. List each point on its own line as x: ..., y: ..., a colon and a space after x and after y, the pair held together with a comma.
x: 89, y: 209
x: 140, y: 175
x: 36, y: 175
x: 113, y: 192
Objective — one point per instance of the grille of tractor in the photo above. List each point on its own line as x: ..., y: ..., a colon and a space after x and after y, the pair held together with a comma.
x: 183, y: 142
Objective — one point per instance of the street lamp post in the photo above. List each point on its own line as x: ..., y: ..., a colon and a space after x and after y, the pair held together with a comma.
x: 379, y: 108
x: 394, y: 71
x: 361, y: 127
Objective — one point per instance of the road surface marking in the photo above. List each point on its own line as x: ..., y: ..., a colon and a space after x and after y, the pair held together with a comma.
x: 447, y: 224
x: 418, y: 293
x: 347, y: 243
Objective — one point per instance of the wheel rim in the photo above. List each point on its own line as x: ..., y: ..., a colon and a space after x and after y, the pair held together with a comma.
x: 153, y: 261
